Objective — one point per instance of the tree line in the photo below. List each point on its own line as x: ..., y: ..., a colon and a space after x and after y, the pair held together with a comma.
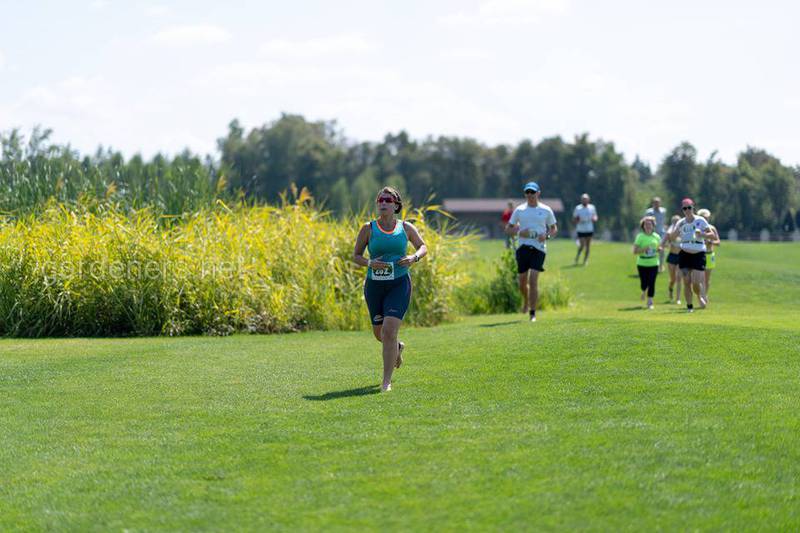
x: 259, y: 165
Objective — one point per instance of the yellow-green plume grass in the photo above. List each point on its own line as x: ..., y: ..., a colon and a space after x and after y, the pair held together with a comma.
x: 74, y: 271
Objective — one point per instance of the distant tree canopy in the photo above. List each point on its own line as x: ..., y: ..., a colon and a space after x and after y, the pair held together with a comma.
x: 260, y: 164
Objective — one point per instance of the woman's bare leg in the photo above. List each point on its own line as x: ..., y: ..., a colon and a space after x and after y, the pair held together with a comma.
x: 376, y: 330
x: 391, y: 327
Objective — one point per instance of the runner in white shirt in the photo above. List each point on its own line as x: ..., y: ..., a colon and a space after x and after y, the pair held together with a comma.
x: 660, y: 214
x: 693, y: 231
x: 534, y: 223
x: 584, y: 215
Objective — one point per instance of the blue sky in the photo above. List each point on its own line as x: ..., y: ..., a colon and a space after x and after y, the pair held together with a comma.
x: 160, y: 76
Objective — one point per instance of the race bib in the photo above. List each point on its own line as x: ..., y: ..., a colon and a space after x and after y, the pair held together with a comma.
x: 383, y: 274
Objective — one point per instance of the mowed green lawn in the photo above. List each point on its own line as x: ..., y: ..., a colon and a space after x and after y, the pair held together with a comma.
x: 602, y: 417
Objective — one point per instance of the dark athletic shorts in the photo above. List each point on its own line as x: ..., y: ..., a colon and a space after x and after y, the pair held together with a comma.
x: 672, y: 259
x: 687, y: 261
x: 529, y: 258
x: 584, y: 234
x: 387, y: 298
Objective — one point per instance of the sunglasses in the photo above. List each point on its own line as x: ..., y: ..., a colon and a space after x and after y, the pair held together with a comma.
x: 529, y: 191
x: 385, y: 200
x: 686, y: 208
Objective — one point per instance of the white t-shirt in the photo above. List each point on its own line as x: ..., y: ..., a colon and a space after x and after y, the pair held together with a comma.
x: 692, y: 239
x: 585, y: 213
x: 660, y: 215
x: 534, y: 219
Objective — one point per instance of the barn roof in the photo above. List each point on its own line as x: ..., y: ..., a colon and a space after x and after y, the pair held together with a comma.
x: 493, y: 205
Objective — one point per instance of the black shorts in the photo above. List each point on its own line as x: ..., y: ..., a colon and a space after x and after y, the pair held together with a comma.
x: 529, y: 258
x: 584, y: 234
x: 687, y: 261
x: 387, y: 298
x: 672, y: 259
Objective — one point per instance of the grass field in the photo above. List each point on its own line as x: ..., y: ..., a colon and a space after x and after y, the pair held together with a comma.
x: 602, y: 416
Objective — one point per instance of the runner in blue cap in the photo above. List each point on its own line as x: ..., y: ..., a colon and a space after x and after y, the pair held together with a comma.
x: 533, y: 222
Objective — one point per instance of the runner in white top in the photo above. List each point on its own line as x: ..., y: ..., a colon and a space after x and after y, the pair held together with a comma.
x: 584, y: 215
x: 660, y: 214
x: 693, y: 231
x: 534, y: 223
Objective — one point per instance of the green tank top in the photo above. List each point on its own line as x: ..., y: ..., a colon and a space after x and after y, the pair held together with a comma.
x: 390, y: 247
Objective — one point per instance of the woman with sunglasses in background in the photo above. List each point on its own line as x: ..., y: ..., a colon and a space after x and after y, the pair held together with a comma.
x: 693, y: 231
x: 387, y: 288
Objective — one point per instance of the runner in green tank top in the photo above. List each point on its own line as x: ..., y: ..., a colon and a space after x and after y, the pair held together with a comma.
x: 646, y: 248
x: 387, y: 288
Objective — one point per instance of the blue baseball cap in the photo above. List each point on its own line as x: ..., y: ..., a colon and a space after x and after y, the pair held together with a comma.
x: 531, y: 186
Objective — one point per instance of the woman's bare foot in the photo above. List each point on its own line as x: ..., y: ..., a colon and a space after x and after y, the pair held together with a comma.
x: 400, y: 346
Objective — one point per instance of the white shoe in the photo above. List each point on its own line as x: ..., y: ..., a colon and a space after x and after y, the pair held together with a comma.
x: 678, y: 302
x: 533, y: 318
x: 703, y: 303
x: 690, y: 310
x: 387, y: 388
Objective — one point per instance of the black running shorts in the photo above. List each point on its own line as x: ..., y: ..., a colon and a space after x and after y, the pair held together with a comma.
x: 529, y: 258
x: 696, y: 261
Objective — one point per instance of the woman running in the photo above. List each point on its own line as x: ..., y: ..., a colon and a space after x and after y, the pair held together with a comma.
x: 387, y: 288
x: 646, y: 248
x: 711, y: 253
x: 675, y: 276
x: 693, y: 231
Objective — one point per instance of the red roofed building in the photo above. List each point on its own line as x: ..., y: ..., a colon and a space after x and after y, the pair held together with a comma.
x: 484, y: 214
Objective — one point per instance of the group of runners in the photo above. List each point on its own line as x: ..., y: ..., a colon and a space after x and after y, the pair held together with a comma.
x: 690, y: 240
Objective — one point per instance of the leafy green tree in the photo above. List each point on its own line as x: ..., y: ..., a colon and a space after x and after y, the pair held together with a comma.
x: 679, y: 172
x: 642, y: 169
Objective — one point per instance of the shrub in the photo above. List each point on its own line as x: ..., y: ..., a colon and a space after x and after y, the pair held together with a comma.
x: 500, y: 293
x: 96, y: 270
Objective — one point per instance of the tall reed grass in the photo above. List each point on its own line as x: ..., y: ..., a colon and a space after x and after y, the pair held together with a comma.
x: 102, y: 270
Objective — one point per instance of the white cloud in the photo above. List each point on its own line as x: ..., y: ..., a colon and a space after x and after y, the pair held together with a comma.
x: 2, y: 60
x: 507, y: 13
x: 191, y: 35
x: 156, y: 11
x: 323, y: 46
x: 464, y: 54
x: 76, y: 96
x: 100, y: 4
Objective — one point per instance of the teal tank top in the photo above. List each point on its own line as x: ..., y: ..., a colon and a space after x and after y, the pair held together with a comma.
x: 390, y: 248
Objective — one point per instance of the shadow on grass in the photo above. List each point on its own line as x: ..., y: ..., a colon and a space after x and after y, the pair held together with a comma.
x: 496, y: 324
x: 632, y: 308
x: 334, y: 395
